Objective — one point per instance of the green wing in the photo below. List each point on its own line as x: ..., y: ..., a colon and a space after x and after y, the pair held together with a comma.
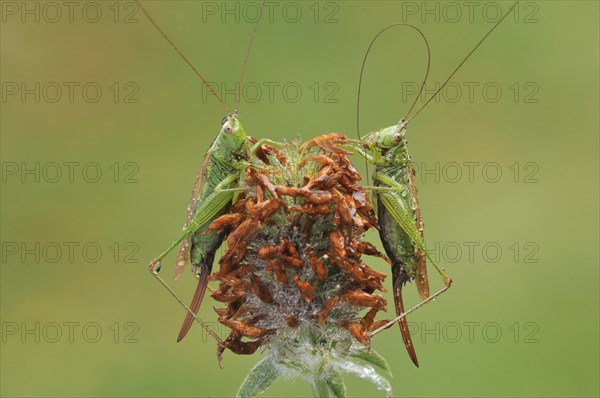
x: 396, y: 207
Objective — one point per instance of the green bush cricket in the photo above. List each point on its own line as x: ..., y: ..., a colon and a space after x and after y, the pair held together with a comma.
x: 213, y: 193
x: 399, y: 215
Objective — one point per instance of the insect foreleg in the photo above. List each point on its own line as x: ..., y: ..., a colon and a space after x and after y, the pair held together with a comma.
x: 389, y: 181
x: 381, y: 189
x: 261, y: 142
x: 227, y: 181
x: 237, y: 189
x: 371, y: 153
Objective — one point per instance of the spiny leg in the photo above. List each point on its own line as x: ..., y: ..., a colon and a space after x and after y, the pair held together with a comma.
x: 188, y: 310
x: 415, y: 307
x: 205, y: 212
x: 382, y: 189
x: 243, y: 164
x: 371, y: 153
x: 238, y: 189
x: 263, y: 141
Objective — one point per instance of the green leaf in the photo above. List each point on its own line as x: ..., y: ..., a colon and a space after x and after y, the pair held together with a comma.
x: 294, y: 366
x: 368, y: 373
x: 371, y: 357
x: 260, y: 377
x: 336, y: 385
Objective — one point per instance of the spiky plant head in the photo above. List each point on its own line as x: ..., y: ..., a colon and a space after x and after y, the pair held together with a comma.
x: 292, y: 279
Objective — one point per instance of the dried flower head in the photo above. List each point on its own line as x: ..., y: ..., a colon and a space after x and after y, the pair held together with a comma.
x: 292, y: 279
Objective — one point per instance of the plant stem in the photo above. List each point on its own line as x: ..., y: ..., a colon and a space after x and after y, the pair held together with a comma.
x: 319, y: 388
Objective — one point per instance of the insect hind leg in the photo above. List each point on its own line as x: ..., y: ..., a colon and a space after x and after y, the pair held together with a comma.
x: 447, y: 284
x: 407, y: 224
x: 207, y: 210
x: 188, y: 310
x: 395, y: 185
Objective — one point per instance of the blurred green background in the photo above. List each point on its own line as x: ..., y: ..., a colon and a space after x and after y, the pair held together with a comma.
x: 522, y: 318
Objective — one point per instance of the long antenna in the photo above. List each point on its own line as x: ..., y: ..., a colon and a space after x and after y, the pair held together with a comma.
x: 362, y: 68
x: 462, y: 63
x: 245, y: 64
x: 187, y: 61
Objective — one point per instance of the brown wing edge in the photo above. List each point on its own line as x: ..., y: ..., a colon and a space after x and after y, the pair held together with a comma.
x: 183, y: 255
x: 421, y: 279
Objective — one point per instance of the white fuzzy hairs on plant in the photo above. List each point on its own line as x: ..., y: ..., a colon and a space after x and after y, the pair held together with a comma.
x: 320, y: 356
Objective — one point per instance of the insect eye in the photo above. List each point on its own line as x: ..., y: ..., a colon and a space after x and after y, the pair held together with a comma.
x: 228, y: 129
x: 398, y: 136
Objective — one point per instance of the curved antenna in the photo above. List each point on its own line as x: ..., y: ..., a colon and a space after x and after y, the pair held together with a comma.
x: 362, y: 69
x: 187, y: 61
x: 245, y: 64
x: 462, y: 62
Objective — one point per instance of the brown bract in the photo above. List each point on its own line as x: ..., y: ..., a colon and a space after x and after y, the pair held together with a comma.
x: 328, y: 143
x: 294, y: 247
